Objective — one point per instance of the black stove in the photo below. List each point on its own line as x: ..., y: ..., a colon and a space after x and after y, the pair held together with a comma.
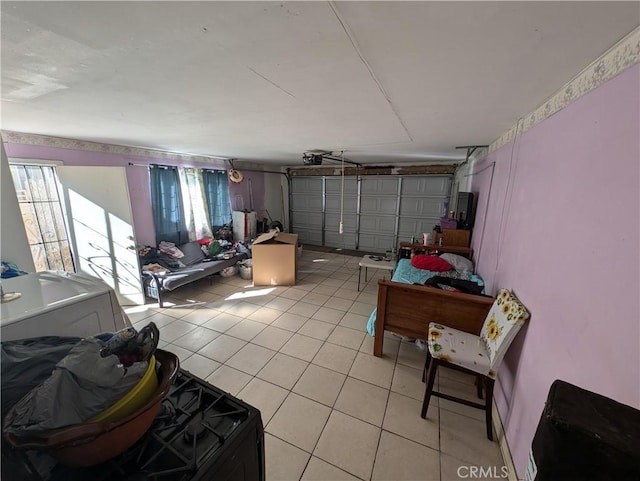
x: 201, y: 433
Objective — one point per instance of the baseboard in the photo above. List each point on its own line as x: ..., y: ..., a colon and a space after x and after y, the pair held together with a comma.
x: 502, y: 442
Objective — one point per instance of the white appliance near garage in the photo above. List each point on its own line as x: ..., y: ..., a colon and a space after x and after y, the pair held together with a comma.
x: 244, y: 225
x: 57, y: 303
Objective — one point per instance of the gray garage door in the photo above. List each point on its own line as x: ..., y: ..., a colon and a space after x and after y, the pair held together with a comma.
x: 381, y: 212
x: 306, y: 209
x: 333, y: 189
x: 378, y: 213
x: 421, y: 204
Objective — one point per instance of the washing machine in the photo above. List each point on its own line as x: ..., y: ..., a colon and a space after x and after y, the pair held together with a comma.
x: 57, y: 303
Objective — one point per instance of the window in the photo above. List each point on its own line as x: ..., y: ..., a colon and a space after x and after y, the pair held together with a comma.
x: 188, y: 203
x: 216, y: 190
x: 166, y: 201
x: 39, y: 200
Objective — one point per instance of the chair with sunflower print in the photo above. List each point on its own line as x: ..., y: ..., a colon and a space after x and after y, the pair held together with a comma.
x: 478, y: 355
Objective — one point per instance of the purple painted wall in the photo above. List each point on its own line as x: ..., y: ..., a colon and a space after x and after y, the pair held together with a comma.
x: 240, y: 193
x: 561, y: 229
x: 138, y: 179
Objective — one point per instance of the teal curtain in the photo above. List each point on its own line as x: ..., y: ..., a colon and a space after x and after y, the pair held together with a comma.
x: 216, y: 190
x: 166, y: 202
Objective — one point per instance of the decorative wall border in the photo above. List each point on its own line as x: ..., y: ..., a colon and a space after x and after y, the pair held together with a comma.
x: 618, y: 58
x: 65, y: 143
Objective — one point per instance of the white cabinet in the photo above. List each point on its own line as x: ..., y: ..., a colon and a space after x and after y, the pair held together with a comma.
x: 244, y: 225
x: 59, y: 304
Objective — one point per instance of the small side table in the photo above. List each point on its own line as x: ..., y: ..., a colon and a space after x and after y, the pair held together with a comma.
x: 375, y: 262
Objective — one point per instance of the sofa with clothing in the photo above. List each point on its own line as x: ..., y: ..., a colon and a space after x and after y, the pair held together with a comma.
x: 170, y: 267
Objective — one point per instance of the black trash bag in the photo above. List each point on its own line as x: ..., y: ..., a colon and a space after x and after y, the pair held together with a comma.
x: 81, y: 386
x: 28, y: 362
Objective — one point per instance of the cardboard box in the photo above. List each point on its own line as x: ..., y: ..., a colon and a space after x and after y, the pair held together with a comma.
x: 274, y: 259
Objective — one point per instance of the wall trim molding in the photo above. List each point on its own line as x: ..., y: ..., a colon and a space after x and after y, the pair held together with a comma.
x: 618, y: 58
x: 503, y: 444
x: 9, y: 136
x: 20, y: 161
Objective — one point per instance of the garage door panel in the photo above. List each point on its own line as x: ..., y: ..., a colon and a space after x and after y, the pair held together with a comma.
x: 383, y: 185
x: 307, y: 185
x: 334, y: 186
x: 332, y: 204
x: 378, y: 205
x: 306, y: 203
x: 409, y: 227
x: 422, y: 204
x: 384, y: 225
x: 434, y: 186
x: 417, y: 207
x: 332, y: 222
x: 376, y: 243
x: 344, y: 241
x: 307, y: 219
x: 308, y: 236
x: 306, y: 209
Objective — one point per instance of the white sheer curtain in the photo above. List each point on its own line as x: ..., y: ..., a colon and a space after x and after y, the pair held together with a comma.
x: 195, y: 205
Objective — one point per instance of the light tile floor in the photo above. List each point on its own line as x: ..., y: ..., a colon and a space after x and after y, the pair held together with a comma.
x: 331, y: 410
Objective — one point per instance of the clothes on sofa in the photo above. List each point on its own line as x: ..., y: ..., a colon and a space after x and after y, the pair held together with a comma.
x: 214, y: 248
x: 193, y: 266
x: 170, y: 249
x: 170, y: 262
x: 154, y: 267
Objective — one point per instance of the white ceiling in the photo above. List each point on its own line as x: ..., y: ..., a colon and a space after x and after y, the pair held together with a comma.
x: 387, y: 82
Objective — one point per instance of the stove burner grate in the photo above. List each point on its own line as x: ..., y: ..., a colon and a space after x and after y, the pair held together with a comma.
x: 194, y: 423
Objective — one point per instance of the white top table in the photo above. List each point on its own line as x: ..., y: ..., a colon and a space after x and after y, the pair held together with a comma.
x: 375, y: 262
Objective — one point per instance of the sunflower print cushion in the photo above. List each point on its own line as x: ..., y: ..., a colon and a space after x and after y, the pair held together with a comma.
x: 504, y: 320
x: 482, y: 354
x: 458, y: 347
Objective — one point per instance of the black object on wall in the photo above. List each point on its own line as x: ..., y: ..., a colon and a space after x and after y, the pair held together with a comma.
x: 466, y: 210
x: 584, y: 436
